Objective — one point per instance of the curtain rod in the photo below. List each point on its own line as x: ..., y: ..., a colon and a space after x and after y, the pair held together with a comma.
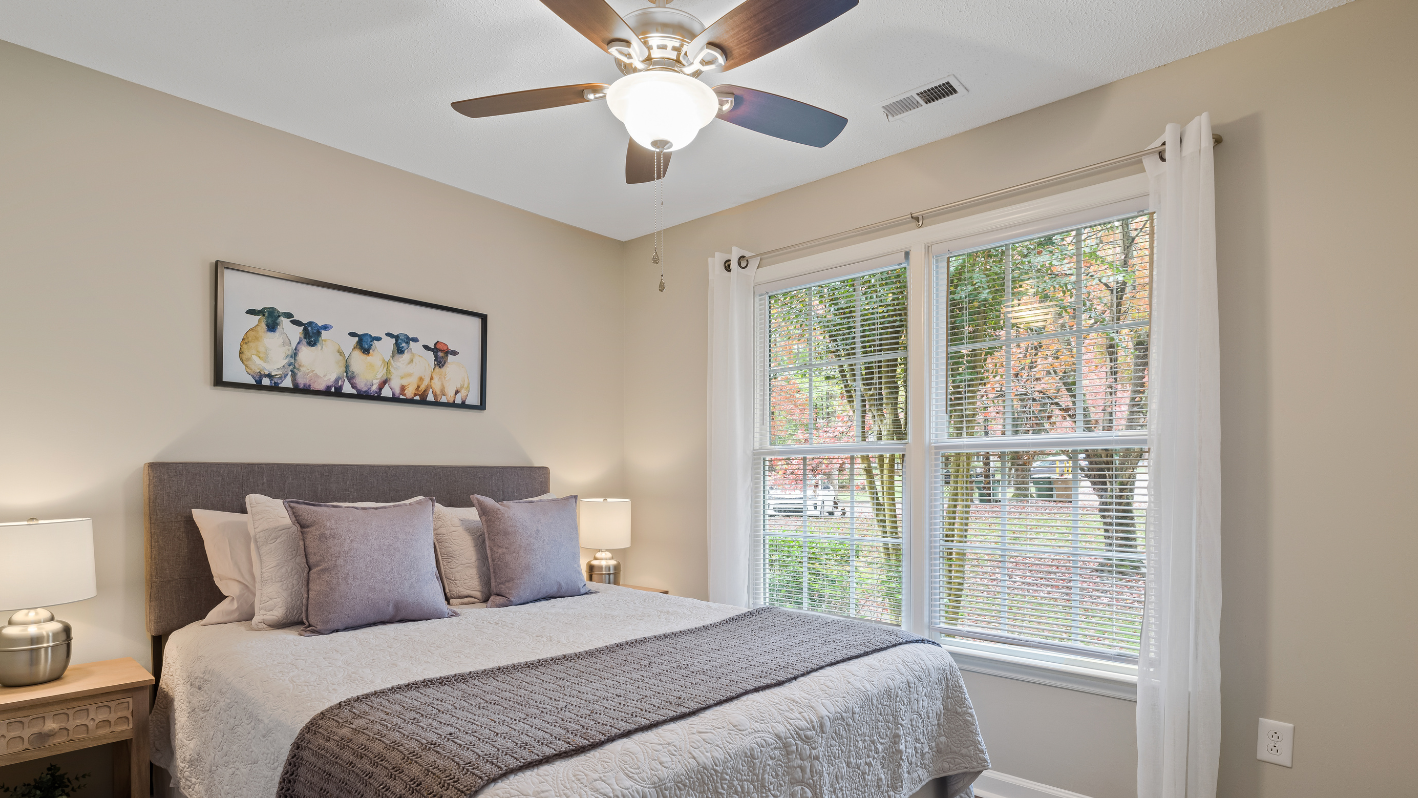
x: 919, y: 217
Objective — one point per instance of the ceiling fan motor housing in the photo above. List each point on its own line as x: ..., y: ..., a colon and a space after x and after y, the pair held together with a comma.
x: 666, y: 33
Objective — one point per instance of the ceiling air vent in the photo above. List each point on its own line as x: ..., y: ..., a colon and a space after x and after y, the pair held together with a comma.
x: 921, y: 96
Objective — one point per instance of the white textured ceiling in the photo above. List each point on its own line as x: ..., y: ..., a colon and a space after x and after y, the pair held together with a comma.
x: 375, y: 78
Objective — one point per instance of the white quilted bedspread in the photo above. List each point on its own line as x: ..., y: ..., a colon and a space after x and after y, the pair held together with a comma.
x: 232, y: 700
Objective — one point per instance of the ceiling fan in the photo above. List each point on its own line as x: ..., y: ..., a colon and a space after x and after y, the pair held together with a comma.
x: 662, y: 52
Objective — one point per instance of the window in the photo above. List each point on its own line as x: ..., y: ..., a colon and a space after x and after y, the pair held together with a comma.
x: 1038, y: 441
x: 832, y: 422
x: 986, y: 485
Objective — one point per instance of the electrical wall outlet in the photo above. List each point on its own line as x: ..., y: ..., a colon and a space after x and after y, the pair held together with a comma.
x: 1276, y: 742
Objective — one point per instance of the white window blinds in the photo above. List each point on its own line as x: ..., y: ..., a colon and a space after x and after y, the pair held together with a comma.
x: 831, y: 416
x: 1038, y: 440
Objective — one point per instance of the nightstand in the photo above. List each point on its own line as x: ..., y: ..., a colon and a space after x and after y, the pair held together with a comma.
x: 91, y: 704
x: 647, y: 589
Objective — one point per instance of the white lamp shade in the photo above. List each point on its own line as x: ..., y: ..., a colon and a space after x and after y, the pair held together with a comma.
x: 604, y: 523
x: 46, y: 563
x: 662, y: 106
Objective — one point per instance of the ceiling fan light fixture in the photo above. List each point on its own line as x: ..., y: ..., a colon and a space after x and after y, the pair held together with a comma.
x: 662, y: 105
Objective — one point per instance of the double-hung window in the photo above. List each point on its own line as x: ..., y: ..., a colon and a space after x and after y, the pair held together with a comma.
x: 831, y: 437
x: 990, y: 488
x: 1039, y: 440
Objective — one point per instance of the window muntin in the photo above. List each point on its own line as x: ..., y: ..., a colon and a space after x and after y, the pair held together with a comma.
x: 832, y: 361
x: 1039, y: 446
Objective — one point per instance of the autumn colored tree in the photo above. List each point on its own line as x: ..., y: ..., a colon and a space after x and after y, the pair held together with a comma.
x: 837, y: 362
x: 861, y: 325
x: 857, y: 332
x: 1045, y: 336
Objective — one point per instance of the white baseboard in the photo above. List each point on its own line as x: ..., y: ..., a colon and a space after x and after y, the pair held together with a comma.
x: 993, y: 784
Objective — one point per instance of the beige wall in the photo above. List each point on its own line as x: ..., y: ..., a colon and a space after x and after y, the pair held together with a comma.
x: 1315, y: 201
x: 115, y: 199
x: 114, y: 202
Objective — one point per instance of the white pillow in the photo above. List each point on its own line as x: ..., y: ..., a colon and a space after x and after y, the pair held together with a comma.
x: 462, y: 554
x: 227, y: 538
x: 278, y: 557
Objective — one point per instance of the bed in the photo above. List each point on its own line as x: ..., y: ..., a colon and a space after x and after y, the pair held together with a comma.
x: 231, y: 700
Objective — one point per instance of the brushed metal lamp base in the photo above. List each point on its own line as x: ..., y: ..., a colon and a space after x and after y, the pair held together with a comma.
x: 34, y: 648
x: 603, y: 569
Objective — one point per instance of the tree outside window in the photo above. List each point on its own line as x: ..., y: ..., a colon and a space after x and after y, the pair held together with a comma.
x: 1035, y: 542
x: 831, y: 523
x: 1043, y: 338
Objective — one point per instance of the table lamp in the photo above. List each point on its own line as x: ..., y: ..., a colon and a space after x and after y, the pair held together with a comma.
x: 41, y: 563
x: 604, y: 524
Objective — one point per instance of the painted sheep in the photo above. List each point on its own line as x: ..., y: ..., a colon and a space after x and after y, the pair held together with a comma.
x: 410, y: 376
x: 366, y: 368
x: 265, y: 348
x: 450, y: 380
x: 319, y: 361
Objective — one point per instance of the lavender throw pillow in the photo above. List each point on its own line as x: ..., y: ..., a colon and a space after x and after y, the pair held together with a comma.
x: 368, y: 565
x: 533, y: 550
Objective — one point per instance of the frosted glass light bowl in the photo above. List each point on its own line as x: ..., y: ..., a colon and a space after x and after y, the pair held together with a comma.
x: 661, y: 105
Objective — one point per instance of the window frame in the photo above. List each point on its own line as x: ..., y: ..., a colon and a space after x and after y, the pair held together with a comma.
x: 1062, y: 210
x: 939, y: 444
x: 762, y: 381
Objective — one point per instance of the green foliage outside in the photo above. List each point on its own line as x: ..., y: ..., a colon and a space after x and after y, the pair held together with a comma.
x: 1049, y: 335
x: 838, y: 352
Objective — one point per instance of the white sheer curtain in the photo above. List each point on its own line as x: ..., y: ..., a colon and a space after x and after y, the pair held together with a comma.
x: 730, y: 424
x: 1179, y: 671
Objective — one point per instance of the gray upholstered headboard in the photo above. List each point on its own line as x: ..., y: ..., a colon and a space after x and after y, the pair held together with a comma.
x: 180, y: 586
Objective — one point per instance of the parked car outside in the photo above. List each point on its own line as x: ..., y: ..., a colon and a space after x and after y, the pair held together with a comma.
x: 816, y: 503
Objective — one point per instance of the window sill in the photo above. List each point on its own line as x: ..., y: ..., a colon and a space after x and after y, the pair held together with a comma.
x: 1070, y: 677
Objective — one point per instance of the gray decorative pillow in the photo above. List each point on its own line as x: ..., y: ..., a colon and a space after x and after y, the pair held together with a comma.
x: 279, y: 562
x: 368, y: 565
x: 462, y: 553
x: 533, y: 550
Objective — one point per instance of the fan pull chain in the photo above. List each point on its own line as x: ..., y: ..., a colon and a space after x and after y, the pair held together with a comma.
x: 655, y: 213
x: 659, y: 237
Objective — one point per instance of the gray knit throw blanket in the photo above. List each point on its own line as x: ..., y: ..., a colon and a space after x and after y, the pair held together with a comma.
x: 447, y: 737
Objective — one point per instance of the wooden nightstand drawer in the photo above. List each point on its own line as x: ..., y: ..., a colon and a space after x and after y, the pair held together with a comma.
x: 108, y: 717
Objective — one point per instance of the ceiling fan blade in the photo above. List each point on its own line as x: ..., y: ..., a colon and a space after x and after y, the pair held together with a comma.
x: 781, y: 117
x: 758, y: 27
x: 518, y: 101
x: 597, y: 21
x: 640, y: 164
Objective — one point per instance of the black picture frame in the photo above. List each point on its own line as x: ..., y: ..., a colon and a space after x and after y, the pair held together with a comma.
x: 221, y: 340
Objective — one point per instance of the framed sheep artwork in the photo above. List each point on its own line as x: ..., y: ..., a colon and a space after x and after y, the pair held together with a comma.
x: 277, y: 332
